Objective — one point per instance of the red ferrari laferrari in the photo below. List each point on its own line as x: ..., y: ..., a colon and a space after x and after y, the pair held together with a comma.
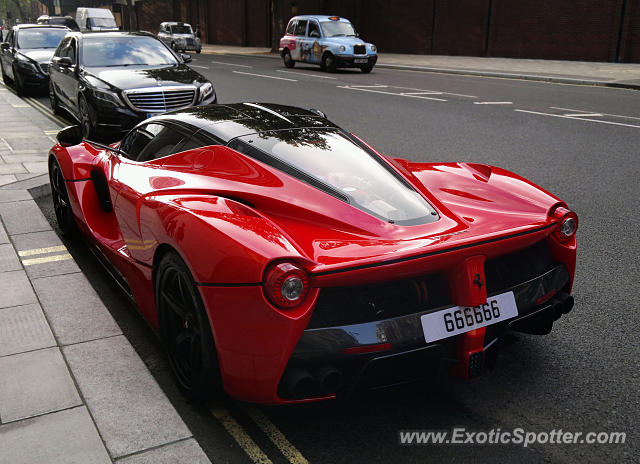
x: 286, y: 260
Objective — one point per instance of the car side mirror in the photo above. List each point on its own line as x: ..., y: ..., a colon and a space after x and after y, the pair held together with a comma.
x: 63, y: 61
x: 69, y: 136
x: 5, y: 46
x: 186, y: 57
x: 318, y: 112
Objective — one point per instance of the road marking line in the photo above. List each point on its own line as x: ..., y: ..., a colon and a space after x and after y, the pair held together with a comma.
x: 240, y: 436
x: 232, y: 64
x: 379, y: 86
x: 306, y: 74
x: 582, y: 114
x: 493, y: 103
x: 606, y: 114
x: 264, y: 75
x: 46, y: 259
x: 42, y: 251
x: 276, y: 436
x: 422, y: 93
x: 20, y: 105
x: 390, y: 93
x: 198, y: 66
x: 51, y: 132
x: 578, y: 119
x: 446, y: 93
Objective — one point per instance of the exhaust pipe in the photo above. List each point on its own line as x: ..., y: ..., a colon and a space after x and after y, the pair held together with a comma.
x: 567, y: 302
x: 297, y: 383
x: 329, y: 378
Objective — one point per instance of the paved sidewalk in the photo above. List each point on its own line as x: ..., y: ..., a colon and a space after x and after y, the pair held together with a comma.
x: 72, y: 388
x: 625, y: 75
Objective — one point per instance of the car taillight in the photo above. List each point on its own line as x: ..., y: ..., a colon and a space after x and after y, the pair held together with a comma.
x: 567, y: 223
x: 286, y: 285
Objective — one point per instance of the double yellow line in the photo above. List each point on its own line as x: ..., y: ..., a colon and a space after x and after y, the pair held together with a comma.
x: 249, y: 446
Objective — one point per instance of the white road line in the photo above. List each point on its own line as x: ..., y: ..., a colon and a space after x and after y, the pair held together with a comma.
x: 198, y: 66
x: 578, y: 119
x: 446, y: 93
x: 581, y: 115
x: 606, y: 114
x: 389, y: 93
x: 379, y: 86
x: 306, y: 74
x: 232, y: 64
x: 265, y: 76
x: 276, y: 436
x: 429, y: 92
x: 493, y: 103
x: 240, y: 436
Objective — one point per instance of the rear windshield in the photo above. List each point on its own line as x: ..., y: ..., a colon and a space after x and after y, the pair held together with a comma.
x: 99, y: 50
x: 40, y: 37
x: 330, y: 161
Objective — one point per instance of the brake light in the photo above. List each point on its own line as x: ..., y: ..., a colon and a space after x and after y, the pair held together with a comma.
x: 286, y: 285
x: 567, y: 223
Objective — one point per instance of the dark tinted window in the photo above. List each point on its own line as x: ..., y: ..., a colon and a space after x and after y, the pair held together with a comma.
x: 63, y: 45
x: 98, y: 50
x: 196, y: 141
x: 291, y: 27
x: 301, y: 27
x: 165, y: 142
x: 138, y: 139
x: 313, y: 27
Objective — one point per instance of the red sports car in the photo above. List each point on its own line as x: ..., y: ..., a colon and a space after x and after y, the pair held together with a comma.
x: 286, y: 260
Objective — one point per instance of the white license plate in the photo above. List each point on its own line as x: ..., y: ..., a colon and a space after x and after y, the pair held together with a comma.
x: 360, y: 60
x: 460, y: 319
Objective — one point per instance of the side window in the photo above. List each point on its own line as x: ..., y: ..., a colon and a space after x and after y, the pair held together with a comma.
x: 314, y: 29
x: 301, y: 27
x: 196, y: 141
x: 138, y: 139
x: 291, y: 27
x: 10, y: 38
x: 165, y: 141
x: 71, y: 53
x: 62, y: 46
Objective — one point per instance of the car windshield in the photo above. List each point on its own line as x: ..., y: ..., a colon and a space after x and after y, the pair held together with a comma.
x: 332, y: 162
x: 184, y: 29
x: 102, y: 22
x: 40, y: 38
x: 337, y: 29
x: 99, y: 50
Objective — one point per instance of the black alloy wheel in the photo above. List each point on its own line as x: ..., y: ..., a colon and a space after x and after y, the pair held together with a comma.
x: 17, y: 83
x: 86, y: 123
x: 53, y: 100
x: 287, y: 60
x: 60, y: 196
x: 185, y: 330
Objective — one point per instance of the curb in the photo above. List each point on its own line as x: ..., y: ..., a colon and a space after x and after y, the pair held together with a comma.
x: 470, y: 72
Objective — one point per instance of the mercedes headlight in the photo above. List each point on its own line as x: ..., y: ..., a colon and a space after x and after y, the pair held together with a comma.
x: 107, y: 96
x: 206, y: 91
x: 25, y: 63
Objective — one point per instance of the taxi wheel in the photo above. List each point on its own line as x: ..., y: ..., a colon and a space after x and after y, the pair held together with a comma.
x: 287, y: 60
x: 366, y: 69
x: 329, y: 63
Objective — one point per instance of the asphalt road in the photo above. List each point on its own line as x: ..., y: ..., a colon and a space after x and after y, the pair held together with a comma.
x: 581, y: 143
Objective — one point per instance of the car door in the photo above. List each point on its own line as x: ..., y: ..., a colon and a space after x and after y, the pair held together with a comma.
x: 312, y: 46
x: 65, y: 78
x: 300, y: 33
x: 8, y: 55
x: 137, y: 175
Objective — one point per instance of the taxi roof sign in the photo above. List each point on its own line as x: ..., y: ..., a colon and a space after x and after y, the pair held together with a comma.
x: 334, y: 18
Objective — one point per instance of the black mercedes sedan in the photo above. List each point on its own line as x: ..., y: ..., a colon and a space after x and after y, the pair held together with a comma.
x: 110, y: 81
x: 25, y: 55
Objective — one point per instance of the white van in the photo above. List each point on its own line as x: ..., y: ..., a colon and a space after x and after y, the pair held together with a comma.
x: 95, y: 19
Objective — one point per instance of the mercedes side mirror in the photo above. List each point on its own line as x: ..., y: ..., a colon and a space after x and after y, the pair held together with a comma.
x: 186, y: 57
x: 318, y: 112
x: 5, y: 46
x: 69, y: 136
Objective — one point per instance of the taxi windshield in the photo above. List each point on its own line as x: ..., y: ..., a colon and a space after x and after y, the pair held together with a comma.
x: 181, y: 29
x: 330, y: 161
x: 337, y: 29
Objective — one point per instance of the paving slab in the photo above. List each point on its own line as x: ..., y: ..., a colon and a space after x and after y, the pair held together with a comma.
x: 64, y: 437
x: 24, y: 328
x: 182, y: 452
x: 73, y: 308
x: 35, y: 383
x: 23, y: 216
x: 23, y: 158
x: 15, y: 168
x: 129, y: 408
x: 9, y: 196
x: 37, y: 167
x: 3, y: 234
x: 44, y: 255
x: 15, y: 289
x: 6, y: 179
x: 8, y: 259
x: 27, y: 182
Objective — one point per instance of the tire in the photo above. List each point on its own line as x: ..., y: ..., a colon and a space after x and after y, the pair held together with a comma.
x: 287, y: 60
x: 88, y: 129
x: 17, y: 83
x: 329, y: 63
x: 185, y: 330
x: 198, y: 51
x: 53, y: 100
x: 61, y: 204
x: 366, y: 69
x: 5, y: 78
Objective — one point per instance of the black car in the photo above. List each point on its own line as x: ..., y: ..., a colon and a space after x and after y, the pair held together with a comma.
x: 110, y: 81
x: 25, y: 55
x: 67, y: 21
